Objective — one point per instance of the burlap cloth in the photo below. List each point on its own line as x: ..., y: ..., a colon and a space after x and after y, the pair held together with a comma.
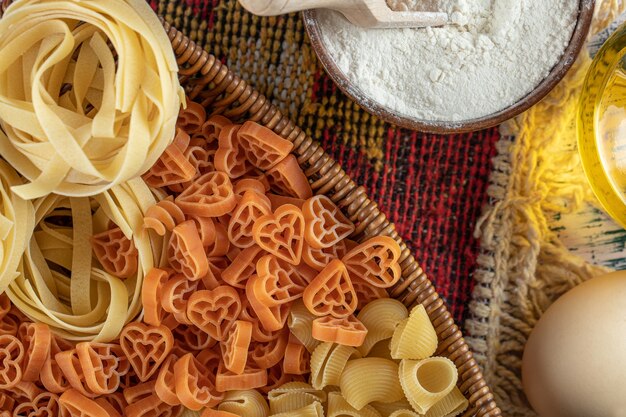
x: 523, y: 266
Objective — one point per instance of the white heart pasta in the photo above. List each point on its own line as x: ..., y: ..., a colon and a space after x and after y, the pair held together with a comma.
x: 415, y: 337
x: 328, y: 362
x: 249, y: 403
x: 300, y: 323
x: 17, y: 220
x: 62, y: 285
x: 381, y: 318
x: 370, y: 379
x: 312, y: 410
x: 427, y: 382
x: 339, y: 407
x: 89, y: 93
x: 294, y: 396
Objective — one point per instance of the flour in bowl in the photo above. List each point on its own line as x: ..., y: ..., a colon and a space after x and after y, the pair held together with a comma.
x: 494, y: 53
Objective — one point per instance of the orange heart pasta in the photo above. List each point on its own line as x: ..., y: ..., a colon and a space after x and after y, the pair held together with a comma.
x: 214, y: 311
x: 11, y: 353
x: 331, y: 292
x: 282, y: 233
x: 146, y: 347
x: 262, y: 147
x: 235, y: 346
x: 218, y: 282
x: 326, y: 226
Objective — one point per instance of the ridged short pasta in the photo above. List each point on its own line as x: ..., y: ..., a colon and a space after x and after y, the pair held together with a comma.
x: 387, y: 409
x: 249, y: 403
x: 293, y: 396
x: 328, y: 362
x: 300, y: 323
x: 339, y: 407
x: 88, y: 303
x: 381, y: 350
x: 17, y: 221
x: 380, y: 317
x: 312, y: 410
x: 427, y: 382
x: 370, y: 379
x: 415, y: 337
x: 404, y: 413
x: 451, y: 405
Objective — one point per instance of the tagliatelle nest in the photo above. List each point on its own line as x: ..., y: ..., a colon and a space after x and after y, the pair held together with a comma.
x: 79, y: 132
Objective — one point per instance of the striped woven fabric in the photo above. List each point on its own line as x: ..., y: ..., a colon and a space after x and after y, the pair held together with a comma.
x: 432, y: 187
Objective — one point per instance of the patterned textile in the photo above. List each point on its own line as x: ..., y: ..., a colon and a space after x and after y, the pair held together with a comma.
x: 432, y: 187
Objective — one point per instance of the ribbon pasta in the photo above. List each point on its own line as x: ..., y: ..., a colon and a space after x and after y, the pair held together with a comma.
x: 62, y: 285
x: 89, y: 94
x: 17, y: 221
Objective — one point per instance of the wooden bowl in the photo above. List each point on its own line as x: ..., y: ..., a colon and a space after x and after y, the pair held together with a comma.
x: 371, y: 106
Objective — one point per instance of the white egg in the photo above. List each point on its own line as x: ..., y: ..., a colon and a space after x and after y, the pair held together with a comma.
x: 575, y: 360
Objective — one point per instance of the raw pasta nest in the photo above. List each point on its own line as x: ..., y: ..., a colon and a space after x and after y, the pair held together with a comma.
x: 59, y: 284
x: 89, y: 93
x: 17, y: 219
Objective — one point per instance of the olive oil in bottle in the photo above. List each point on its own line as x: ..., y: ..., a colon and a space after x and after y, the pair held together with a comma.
x: 602, y: 126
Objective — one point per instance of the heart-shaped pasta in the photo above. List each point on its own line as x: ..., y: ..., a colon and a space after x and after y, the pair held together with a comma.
x: 43, y: 405
x: 262, y: 147
x: 252, y: 206
x: 282, y: 233
x: 326, y: 225
x: 376, y: 261
x: 194, y: 388
x: 235, y: 346
x: 230, y: 158
x: 146, y: 347
x: 11, y: 355
x: 288, y: 178
x: 173, y: 166
x: 117, y: 254
x: 214, y: 311
x: 103, y: 366
x: 347, y: 331
x: 331, y: 292
x: 36, y: 338
x: 210, y: 195
x: 186, y: 253
x: 120, y: 111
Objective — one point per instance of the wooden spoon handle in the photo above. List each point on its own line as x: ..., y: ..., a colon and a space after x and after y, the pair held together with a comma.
x: 278, y: 7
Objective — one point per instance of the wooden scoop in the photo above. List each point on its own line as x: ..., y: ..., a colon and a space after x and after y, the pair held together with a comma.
x: 365, y: 13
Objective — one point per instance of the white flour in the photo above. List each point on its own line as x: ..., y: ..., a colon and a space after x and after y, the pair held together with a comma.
x: 497, y: 52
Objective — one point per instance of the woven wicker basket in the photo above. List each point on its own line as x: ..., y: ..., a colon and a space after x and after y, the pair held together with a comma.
x: 208, y: 81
